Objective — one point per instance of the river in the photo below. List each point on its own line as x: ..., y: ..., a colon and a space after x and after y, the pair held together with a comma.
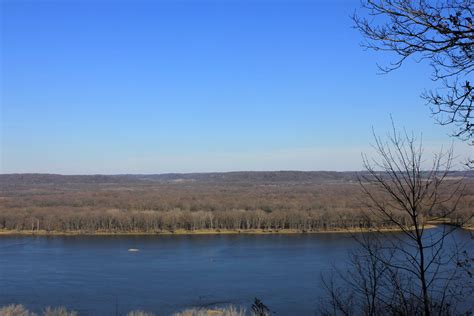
x: 98, y: 275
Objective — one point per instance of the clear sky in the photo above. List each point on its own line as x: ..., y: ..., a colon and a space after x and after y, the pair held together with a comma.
x: 183, y: 86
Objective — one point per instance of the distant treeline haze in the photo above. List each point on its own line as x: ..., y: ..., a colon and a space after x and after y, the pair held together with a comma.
x: 234, y: 202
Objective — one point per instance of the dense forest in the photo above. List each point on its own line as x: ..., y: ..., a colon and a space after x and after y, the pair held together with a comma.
x: 302, y: 201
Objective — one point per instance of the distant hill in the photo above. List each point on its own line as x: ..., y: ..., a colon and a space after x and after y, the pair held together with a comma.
x: 213, y: 177
x: 255, y: 177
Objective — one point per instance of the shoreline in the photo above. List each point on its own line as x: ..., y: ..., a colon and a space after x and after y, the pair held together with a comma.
x: 203, y: 232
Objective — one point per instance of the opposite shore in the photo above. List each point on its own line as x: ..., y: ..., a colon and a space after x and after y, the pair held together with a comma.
x: 206, y: 232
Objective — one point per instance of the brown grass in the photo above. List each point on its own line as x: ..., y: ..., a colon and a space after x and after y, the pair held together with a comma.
x: 224, y: 311
x: 15, y: 310
x: 140, y: 313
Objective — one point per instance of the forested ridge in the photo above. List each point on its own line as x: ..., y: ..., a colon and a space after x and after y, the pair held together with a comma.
x: 303, y: 201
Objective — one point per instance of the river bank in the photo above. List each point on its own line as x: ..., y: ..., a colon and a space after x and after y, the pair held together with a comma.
x: 203, y: 232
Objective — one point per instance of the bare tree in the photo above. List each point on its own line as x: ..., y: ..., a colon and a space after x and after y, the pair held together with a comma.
x: 419, y: 271
x: 441, y: 32
x: 362, y: 286
x: 260, y: 309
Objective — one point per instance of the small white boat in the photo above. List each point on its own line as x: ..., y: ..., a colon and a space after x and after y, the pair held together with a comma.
x: 133, y: 249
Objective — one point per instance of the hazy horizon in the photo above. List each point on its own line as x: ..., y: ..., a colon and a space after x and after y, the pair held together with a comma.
x: 204, y: 172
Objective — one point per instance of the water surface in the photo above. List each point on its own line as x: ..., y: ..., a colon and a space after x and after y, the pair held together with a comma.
x: 99, y: 276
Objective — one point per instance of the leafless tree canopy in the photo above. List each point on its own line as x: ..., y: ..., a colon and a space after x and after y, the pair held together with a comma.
x: 440, y: 32
x: 420, y: 271
x: 303, y: 201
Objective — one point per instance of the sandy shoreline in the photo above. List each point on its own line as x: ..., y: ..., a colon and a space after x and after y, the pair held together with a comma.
x: 197, y: 232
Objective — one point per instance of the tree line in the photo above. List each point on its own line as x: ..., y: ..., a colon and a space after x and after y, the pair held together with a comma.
x: 192, y: 207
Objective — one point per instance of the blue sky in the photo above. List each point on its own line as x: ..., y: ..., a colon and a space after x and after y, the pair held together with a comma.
x: 183, y: 86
